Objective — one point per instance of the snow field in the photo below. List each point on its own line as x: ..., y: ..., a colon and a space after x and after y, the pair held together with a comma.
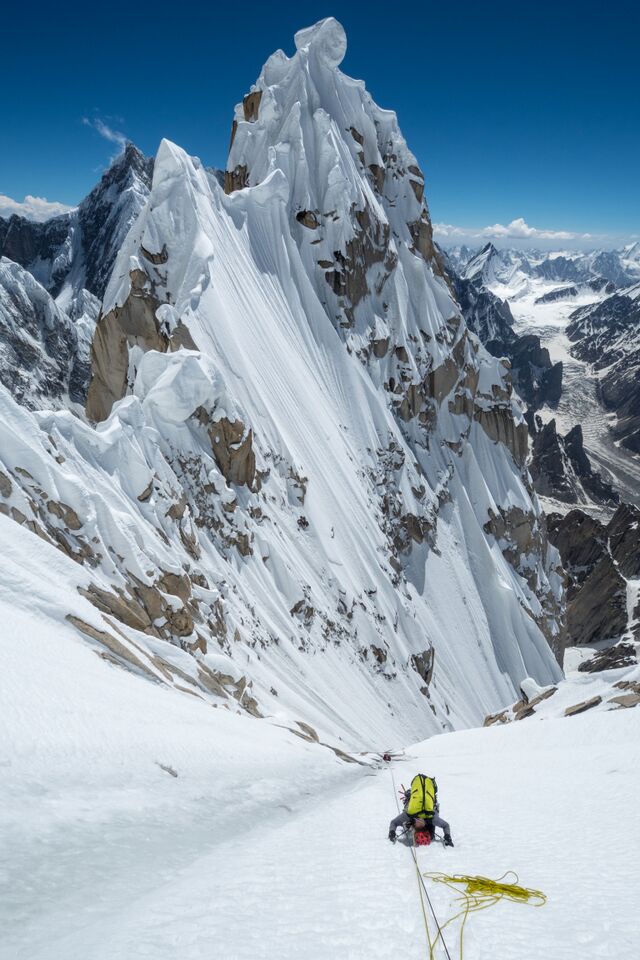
x: 90, y: 821
x: 267, y: 847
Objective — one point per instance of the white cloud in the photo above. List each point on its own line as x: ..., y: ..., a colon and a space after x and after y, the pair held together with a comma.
x: 113, y: 136
x: 518, y: 229
x: 33, y: 208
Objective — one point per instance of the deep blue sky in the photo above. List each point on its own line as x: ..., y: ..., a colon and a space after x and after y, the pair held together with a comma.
x: 513, y: 109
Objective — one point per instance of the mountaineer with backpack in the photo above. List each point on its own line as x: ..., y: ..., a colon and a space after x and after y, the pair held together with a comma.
x: 420, y: 815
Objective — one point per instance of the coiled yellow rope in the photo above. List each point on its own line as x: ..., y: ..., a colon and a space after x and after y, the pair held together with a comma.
x: 479, y: 893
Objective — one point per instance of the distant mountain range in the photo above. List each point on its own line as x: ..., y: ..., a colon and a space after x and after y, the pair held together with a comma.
x: 492, y: 265
x: 597, y: 294
x: 581, y: 310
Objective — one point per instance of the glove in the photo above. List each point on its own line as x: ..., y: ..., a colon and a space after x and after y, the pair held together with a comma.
x: 392, y: 836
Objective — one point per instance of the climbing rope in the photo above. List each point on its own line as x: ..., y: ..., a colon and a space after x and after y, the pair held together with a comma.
x: 474, y: 893
x: 424, y: 896
x: 479, y: 893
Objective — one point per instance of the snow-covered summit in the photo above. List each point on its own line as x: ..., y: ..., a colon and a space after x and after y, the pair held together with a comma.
x: 308, y: 476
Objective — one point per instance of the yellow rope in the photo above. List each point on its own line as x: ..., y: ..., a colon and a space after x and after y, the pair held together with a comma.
x: 479, y: 893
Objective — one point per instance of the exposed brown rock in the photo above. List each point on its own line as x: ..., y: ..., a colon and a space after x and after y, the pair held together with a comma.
x: 422, y: 236
x: 423, y: 664
x: 65, y: 513
x: 123, y: 608
x: 377, y: 172
x: 543, y: 696
x: 499, y: 425
x: 156, y: 258
x: 5, y: 485
x: 178, y: 585
x: 381, y: 348
x: 115, y: 646
x: 176, y: 510
x: 418, y: 189
x: 367, y: 247
x: 309, y: 731
x: 189, y: 540
x: 146, y: 493
x: 308, y: 219
x: 234, y: 128
x: 633, y: 685
x: 442, y: 380
x: 525, y: 711
x: 132, y: 324
x: 251, y: 105
x: 492, y: 718
x: 581, y: 539
x: 180, y: 622
x: 152, y: 600
x: 626, y: 699
x: 236, y: 179
x: 581, y: 707
x: 233, y: 449
x: 618, y: 655
x: 514, y: 526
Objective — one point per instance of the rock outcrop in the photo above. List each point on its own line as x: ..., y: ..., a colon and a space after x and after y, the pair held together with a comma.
x: 599, y: 560
x: 560, y: 468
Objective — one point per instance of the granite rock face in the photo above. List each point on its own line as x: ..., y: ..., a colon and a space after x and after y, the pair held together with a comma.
x: 599, y: 560
x: 560, y: 468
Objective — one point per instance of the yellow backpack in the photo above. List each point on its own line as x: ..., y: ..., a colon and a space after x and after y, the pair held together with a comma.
x: 422, y: 801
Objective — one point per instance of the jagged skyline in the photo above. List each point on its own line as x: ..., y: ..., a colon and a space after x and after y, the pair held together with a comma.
x: 502, y: 139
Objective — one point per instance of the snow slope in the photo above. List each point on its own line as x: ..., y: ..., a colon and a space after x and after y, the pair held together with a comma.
x: 267, y: 846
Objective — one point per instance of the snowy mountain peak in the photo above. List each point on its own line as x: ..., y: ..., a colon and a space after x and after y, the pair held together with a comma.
x: 489, y: 265
x: 325, y: 40
x: 303, y: 467
x: 355, y: 190
x: 71, y: 258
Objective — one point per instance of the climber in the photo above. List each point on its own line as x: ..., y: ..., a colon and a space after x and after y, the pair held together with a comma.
x: 421, y: 812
